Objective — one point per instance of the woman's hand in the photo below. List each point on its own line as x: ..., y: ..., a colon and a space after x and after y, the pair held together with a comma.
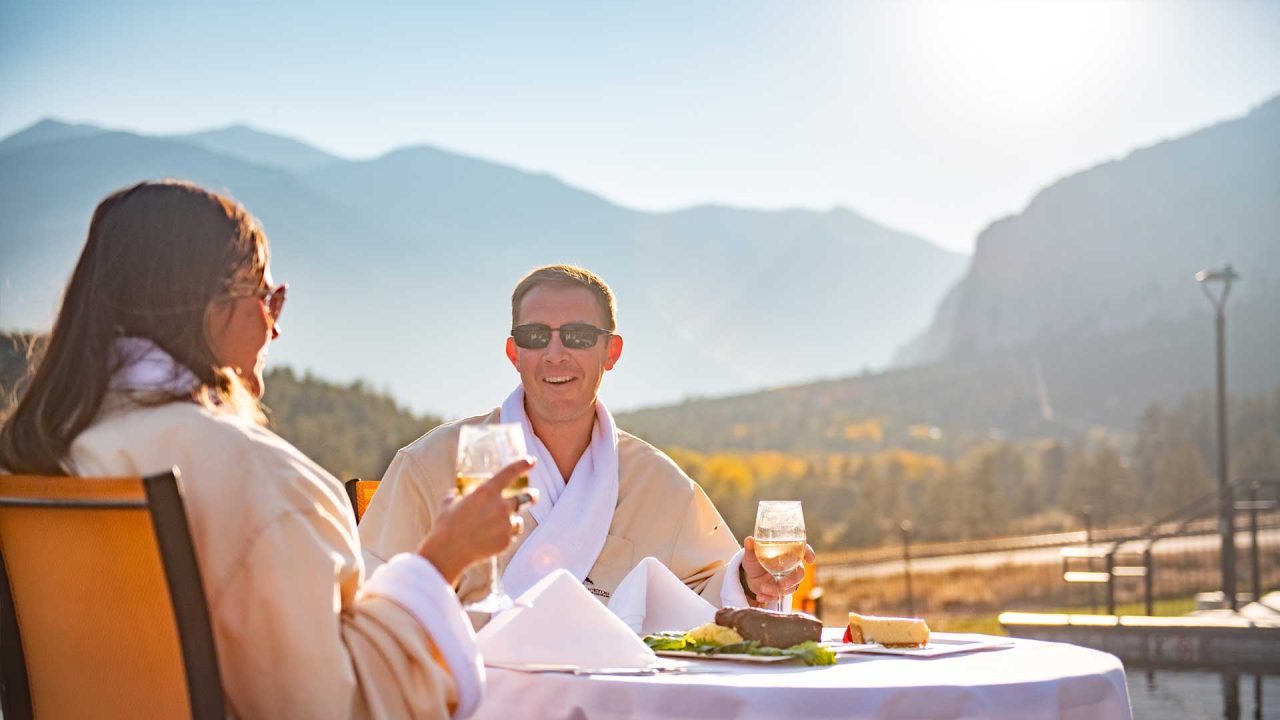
x: 483, y: 523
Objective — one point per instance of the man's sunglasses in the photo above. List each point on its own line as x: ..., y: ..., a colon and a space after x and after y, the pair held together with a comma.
x: 575, y: 336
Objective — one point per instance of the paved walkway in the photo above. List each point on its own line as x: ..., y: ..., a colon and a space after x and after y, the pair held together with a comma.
x: 1263, y: 613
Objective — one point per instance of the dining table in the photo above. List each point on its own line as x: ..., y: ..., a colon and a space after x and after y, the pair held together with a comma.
x: 1029, y: 679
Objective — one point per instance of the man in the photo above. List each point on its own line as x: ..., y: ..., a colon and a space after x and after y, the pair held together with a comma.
x: 608, y: 499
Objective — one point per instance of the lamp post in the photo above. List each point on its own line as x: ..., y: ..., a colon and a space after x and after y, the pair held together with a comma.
x: 905, y: 527
x: 1208, y: 280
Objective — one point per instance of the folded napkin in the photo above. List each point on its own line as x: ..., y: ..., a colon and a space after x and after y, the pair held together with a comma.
x: 557, y: 622
x: 651, y: 599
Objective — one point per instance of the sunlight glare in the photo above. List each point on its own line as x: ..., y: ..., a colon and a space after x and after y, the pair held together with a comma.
x: 1028, y: 56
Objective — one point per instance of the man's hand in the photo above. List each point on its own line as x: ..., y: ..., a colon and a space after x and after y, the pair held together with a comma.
x: 759, y: 581
x: 481, y: 524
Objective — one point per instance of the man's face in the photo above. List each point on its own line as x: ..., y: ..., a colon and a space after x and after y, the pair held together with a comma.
x: 560, y: 384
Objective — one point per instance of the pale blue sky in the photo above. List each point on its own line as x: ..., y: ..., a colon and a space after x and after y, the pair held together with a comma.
x: 932, y: 117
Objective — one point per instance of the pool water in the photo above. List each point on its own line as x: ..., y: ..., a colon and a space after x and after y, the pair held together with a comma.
x: 1159, y: 694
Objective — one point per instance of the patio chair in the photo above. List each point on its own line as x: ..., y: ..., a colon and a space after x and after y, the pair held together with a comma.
x: 102, y: 610
x: 360, y: 492
x: 808, y: 597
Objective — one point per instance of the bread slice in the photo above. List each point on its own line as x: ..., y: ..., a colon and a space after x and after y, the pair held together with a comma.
x: 888, y: 631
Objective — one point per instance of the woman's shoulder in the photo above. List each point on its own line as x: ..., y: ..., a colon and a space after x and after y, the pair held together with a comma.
x: 205, y: 440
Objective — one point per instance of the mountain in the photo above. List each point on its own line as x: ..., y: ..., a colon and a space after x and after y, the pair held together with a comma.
x: 401, y: 266
x: 1064, y: 387
x: 1116, y: 246
x: 46, y: 131
x: 245, y: 143
x: 1077, y: 313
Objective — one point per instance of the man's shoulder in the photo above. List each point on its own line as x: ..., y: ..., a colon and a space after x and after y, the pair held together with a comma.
x: 638, y: 460
x: 444, y: 437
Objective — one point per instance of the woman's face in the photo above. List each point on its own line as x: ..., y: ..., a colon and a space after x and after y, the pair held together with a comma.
x: 239, y: 327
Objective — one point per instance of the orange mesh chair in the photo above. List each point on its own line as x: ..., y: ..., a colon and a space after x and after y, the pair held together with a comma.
x: 808, y: 597
x: 102, y: 610
x: 360, y: 492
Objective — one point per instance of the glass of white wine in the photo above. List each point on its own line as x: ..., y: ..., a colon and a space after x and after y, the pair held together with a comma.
x: 779, y: 539
x: 483, y: 450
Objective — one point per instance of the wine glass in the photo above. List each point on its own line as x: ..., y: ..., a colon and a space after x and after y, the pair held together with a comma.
x: 779, y: 539
x: 483, y: 450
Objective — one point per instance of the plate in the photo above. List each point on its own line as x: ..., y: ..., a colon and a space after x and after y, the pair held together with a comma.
x: 939, y: 644
x: 666, y: 667
x: 740, y: 657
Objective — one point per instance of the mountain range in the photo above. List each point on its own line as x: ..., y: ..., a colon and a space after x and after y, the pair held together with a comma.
x: 400, y: 267
x: 1078, y: 312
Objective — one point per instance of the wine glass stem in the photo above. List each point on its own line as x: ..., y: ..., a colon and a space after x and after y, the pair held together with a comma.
x: 495, y: 577
x: 778, y: 602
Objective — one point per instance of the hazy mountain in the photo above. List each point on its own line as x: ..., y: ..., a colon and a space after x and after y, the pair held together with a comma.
x: 401, y: 267
x: 1078, y: 312
x: 1057, y: 387
x: 1115, y: 246
x: 245, y: 143
x: 46, y: 131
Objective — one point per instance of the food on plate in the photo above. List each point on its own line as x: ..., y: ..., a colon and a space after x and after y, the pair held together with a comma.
x: 893, y: 632
x: 771, y: 629
x: 767, y: 637
x: 713, y: 634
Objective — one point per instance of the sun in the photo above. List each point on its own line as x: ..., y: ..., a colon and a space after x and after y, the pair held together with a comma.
x: 1015, y: 56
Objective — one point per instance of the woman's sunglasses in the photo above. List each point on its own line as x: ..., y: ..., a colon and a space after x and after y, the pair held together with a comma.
x: 575, y: 336
x: 272, y: 297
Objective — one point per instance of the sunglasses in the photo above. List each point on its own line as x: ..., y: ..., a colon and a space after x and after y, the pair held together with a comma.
x: 272, y: 297
x: 575, y: 336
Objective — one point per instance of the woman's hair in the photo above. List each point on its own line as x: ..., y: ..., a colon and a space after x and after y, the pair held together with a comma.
x: 157, y: 255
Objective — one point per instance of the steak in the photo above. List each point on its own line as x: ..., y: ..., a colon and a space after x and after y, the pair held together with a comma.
x: 771, y: 629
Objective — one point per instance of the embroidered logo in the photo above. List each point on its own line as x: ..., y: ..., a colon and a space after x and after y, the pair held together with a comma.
x: 595, y: 590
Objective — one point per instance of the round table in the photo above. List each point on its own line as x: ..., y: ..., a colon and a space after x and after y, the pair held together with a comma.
x: 1032, y: 679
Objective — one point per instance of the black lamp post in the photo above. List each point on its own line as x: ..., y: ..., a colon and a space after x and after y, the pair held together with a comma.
x: 1209, y: 279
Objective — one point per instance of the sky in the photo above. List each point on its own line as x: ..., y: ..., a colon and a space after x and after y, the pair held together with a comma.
x: 930, y: 117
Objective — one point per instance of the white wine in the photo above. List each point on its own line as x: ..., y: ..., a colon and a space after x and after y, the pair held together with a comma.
x: 470, y: 481
x: 780, y: 557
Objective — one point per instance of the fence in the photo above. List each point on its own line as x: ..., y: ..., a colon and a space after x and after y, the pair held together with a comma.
x: 964, y: 585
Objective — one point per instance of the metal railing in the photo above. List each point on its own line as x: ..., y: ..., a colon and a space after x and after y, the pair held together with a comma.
x: 968, y: 580
x: 1194, y: 520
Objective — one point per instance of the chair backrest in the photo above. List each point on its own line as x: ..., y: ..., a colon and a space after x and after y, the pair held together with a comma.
x: 102, y: 610
x: 808, y: 597
x: 360, y: 492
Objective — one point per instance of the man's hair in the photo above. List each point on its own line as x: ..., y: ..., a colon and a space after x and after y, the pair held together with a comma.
x: 566, y: 276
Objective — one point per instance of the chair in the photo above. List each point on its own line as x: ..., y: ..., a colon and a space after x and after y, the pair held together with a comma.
x: 808, y: 597
x: 360, y: 492
x: 102, y: 610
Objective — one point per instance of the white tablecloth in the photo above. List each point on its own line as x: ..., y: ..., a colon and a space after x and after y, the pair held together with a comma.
x: 1031, y: 680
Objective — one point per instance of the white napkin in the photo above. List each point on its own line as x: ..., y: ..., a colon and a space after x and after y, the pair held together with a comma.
x: 651, y: 599
x: 557, y: 622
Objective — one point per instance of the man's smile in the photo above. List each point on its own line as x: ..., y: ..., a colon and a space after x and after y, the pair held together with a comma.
x: 559, y: 379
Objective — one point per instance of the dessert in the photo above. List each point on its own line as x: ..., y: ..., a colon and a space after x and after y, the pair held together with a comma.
x: 771, y: 629
x: 893, y: 632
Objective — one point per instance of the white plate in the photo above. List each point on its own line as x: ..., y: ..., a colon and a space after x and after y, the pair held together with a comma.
x: 740, y: 657
x: 939, y: 644
x: 662, y: 667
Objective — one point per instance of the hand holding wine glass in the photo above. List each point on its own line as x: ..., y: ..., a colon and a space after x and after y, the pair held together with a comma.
x: 476, y: 527
x: 779, y: 541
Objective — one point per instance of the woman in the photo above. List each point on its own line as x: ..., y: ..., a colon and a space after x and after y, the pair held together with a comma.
x: 156, y: 360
